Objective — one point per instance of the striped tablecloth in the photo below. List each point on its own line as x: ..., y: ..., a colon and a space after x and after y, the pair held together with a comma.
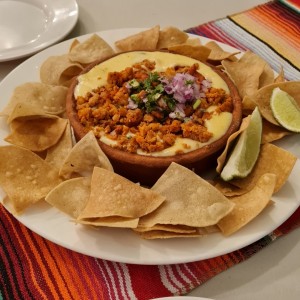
x: 34, y: 268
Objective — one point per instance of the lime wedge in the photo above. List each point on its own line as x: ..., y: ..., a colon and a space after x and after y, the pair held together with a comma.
x: 245, y: 152
x: 285, y: 110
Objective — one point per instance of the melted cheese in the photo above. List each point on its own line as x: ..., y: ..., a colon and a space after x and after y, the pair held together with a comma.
x: 97, y: 76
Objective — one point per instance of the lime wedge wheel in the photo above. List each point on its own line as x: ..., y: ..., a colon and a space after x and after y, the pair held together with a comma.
x: 285, y: 109
x: 246, y: 150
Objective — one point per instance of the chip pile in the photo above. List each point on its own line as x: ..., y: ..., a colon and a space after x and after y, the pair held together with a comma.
x: 43, y: 163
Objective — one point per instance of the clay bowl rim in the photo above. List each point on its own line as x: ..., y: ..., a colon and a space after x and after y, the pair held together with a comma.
x: 157, y: 161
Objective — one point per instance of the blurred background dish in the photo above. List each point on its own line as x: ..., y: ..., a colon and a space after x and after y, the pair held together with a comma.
x: 27, y: 27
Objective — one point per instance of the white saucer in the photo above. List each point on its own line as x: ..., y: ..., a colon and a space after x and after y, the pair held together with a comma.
x: 28, y: 26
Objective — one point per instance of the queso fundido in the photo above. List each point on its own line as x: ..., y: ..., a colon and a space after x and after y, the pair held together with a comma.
x: 153, y: 103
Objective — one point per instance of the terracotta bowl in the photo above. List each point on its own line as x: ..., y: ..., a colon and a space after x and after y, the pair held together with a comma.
x: 147, y: 169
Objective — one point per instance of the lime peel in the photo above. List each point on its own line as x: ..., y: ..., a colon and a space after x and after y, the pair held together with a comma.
x: 245, y: 152
x: 285, y: 110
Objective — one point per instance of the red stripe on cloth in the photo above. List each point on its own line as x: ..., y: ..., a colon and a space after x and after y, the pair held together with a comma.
x: 146, y: 282
x: 19, y: 242
x: 84, y: 275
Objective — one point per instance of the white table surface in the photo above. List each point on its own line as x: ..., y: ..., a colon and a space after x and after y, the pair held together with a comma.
x: 274, y: 272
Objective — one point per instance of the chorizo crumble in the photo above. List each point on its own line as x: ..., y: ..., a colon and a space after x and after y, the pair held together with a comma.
x: 140, y: 108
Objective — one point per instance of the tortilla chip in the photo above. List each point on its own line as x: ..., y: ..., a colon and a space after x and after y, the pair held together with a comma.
x: 267, y: 76
x: 190, y: 200
x: 245, y: 73
x: 144, y: 40
x: 262, y: 97
x: 222, y: 158
x: 113, y: 195
x: 272, y: 159
x: 217, y: 53
x: 25, y: 111
x: 73, y: 44
x: 271, y: 132
x: 70, y: 196
x: 248, y: 105
x: 25, y: 177
x: 119, y: 222
x: 227, y: 189
x: 57, y: 154
x: 36, y: 134
x: 171, y: 36
x: 200, y: 53
x: 193, y: 42
x: 280, y: 76
x: 92, y: 49
x: 249, y: 205
x: 83, y: 157
x: 47, y: 98
x: 168, y: 228
x: 59, y: 70
x: 160, y: 234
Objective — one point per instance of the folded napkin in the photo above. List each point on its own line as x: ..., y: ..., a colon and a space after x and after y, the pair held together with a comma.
x: 31, y: 267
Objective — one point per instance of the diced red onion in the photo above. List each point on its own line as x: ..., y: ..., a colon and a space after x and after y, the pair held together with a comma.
x: 131, y: 104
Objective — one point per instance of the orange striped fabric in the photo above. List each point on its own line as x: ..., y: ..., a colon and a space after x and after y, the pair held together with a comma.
x: 271, y: 30
x: 267, y: 24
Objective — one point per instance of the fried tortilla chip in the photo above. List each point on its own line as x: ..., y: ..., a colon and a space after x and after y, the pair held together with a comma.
x: 217, y: 53
x: 43, y: 97
x: 222, y: 158
x: 248, y: 105
x: 119, y: 222
x: 171, y: 36
x: 271, y: 132
x: 262, y: 97
x: 190, y: 200
x: 57, y: 154
x: 23, y: 111
x: 113, y: 195
x: 73, y: 44
x: 245, y: 73
x: 267, y: 76
x: 272, y: 159
x: 59, y: 70
x: 227, y: 189
x: 168, y: 228
x: 144, y: 40
x: 83, y: 157
x: 36, y: 134
x: 280, y: 76
x: 193, y: 41
x: 160, y: 234
x: 92, y: 49
x: 249, y: 205
x: 200, y: 53
x: 25, y: 177
x: 70, y: 196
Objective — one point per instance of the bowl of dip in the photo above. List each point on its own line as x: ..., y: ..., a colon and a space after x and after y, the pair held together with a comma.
x: 150, y: 108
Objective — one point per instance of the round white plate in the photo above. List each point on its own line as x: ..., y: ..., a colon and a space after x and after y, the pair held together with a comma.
x: 123, y: 245
x: 28, y: 26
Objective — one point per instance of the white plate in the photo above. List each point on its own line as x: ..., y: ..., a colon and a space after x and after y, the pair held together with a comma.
x: 28, y: 26
x: 123, y: 245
